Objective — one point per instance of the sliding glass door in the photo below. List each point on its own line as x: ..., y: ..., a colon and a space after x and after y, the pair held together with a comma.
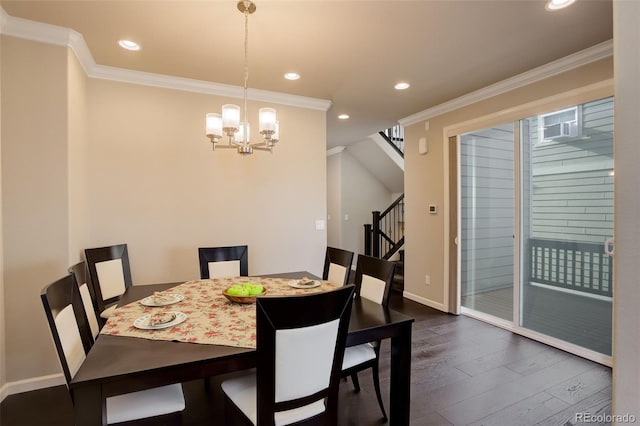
x: 566, y: 224
x: 487, y: 220
x: 536, y: 225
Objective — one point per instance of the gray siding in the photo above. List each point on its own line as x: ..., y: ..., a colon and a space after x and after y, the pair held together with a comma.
x: 486, y: 160
x: 572, y: 186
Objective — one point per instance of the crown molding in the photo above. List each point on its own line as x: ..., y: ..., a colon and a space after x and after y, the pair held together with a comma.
x: 575, y: 60
x: 60, y: 36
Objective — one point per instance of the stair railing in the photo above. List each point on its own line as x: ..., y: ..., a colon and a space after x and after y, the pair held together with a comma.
x: 385, y: 235
x: 395, y: 136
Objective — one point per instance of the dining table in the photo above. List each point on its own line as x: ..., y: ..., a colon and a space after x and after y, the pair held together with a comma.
x: 118, y: 363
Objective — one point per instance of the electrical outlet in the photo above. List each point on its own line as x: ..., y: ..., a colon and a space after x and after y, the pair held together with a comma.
x: 427, y: 279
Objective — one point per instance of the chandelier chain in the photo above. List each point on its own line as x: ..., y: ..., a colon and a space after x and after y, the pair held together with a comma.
x: 246, y: 64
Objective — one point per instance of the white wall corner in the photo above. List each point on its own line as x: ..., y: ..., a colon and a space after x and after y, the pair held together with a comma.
x: 384, y: 146
x: 335, y: 150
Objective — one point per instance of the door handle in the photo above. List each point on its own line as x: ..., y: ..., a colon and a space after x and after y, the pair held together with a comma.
x: 609, y: 247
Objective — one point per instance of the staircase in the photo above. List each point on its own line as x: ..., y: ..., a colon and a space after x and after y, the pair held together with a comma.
x: 384, y: 237
x: 398, y: 277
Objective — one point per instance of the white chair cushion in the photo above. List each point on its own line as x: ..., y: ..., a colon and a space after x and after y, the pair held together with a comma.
x: 337, y: 274
x: 224, y: 269
x: 88, y: 308
x: 372, y: 288
x: 108, y: 312
x: 111, y: 278
x: 242, y: 391
x: 304, y: 352
x: 146, y: 403
x: 70, y: 339
x: 356, y: 355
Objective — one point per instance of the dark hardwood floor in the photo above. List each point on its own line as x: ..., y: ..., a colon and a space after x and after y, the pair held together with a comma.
x: 465, y: 372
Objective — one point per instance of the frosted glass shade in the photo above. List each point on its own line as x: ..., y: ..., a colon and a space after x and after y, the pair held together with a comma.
x: 267, y: 117
x: 243, y: 129
x: 230, y: 116
x: 214, y: 125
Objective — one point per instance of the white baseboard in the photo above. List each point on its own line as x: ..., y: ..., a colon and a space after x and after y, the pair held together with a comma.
x: 430, y: 303
x: 34, y: 383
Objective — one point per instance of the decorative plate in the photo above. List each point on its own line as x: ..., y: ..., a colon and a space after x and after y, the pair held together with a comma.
x: 297, y: 284
x: 143, y: 322
x: 172, y: 298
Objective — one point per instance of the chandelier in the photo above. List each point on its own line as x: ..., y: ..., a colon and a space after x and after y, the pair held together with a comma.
x: 229, y: 123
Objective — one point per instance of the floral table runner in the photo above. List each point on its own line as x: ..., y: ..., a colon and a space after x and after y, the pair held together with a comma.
x: 211, y: 318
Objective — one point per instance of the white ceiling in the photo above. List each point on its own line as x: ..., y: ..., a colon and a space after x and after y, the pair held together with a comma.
x: 348, y: 52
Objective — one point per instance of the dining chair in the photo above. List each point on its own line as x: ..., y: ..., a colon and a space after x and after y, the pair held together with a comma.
x: 373, y: 282
x: 223, y: 262
x: 110, y: 276
x: 80, y: 279
x: 64, y: 310
x: 337, y: 265
x: 300, y: 343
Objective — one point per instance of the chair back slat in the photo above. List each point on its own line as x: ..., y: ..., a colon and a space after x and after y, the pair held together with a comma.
x: 373, y: 278
x: 223, y: 262
x: 81, y: 280
x: 109, y: 272
x: 337, y: 274
x: 224, y: 269
x: 373, y: 289
x: 300, y: 346
x: 337, y: 265
x: 67, y: 323
x: 296, y: 350
x: 89, y: 310
x: 70, y: 339
x: 110, y: 278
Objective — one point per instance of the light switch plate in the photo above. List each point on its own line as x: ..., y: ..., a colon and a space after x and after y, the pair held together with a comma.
x: 319, y: 225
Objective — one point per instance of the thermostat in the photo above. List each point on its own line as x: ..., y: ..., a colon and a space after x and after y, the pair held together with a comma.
x: 433, y: 209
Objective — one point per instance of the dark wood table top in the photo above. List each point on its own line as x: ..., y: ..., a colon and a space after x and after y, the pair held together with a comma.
x: 118, y: 364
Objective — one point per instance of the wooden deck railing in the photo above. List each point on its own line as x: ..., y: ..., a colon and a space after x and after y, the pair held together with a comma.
x: 571, y: 265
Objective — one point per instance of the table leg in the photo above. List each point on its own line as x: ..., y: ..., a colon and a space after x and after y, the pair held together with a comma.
x: 400, y: 377
x: 88, y: 407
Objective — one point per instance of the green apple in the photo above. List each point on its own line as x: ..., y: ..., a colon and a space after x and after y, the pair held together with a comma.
x: 255, y: 289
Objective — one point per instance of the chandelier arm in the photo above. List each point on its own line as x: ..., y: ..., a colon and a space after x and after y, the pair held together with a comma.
x: 262, y: 148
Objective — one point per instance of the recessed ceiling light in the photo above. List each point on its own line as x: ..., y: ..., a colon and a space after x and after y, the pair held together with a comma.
x: 129, y: 45
x: 403, y: 85
x: 292, y: 76
x: 558, y: 4
x: 343, y: 116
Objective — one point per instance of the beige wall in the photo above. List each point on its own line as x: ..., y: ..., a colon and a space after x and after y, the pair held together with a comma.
x: 334, y: 200
x: 3, y: 376
x: 626, y: 342
x: 425, y: 176
x: 34, y: 197
x: 111, y: 162
x: 77, y: 158
x: 154, y: 184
